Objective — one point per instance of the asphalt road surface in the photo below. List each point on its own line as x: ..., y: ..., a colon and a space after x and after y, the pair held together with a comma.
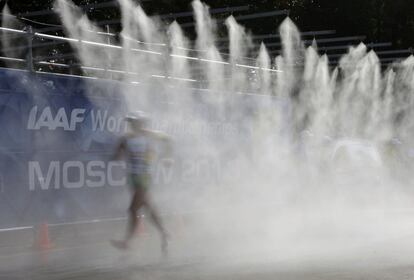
x: 392, y: 258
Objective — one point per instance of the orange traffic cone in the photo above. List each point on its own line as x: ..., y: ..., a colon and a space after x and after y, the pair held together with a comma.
x: 42, y: 241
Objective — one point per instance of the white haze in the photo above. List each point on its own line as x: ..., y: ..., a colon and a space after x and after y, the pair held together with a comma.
x: 279, y: 192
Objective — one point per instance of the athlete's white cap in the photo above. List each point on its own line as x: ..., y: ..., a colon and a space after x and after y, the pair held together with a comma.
x: 137, y: 116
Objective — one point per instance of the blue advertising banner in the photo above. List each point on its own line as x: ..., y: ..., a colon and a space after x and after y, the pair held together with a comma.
x: 58, y: 134
x: 55, y: 144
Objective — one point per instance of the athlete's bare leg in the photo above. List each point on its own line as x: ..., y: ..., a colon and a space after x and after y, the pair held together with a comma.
x: 138, y: 200
x: 158, y: 224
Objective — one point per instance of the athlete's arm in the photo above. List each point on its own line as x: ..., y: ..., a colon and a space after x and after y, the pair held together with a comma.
x: 165, y: 140
x: 120, y: 150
